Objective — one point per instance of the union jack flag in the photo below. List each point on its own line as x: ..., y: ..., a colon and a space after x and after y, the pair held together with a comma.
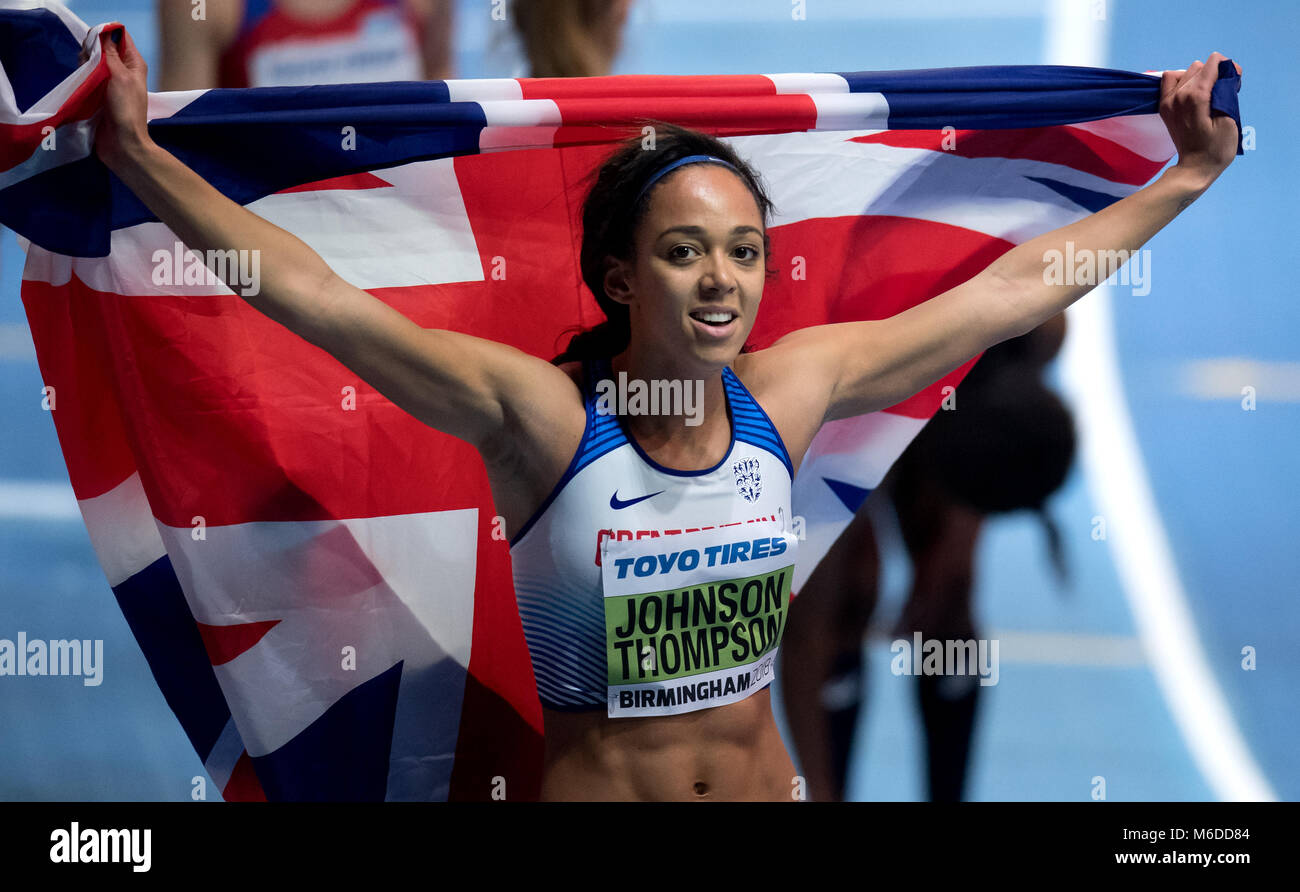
x: 314, y: 576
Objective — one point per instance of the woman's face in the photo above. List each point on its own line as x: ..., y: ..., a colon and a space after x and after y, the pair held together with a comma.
x: 699, y: 265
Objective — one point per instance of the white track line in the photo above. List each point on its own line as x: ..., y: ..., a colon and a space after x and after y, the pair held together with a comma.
x: 1062, y: 649
x: 38, y: 500
x: 1224, y: 378
x: 1117, y: 477
x: 16, y: 342
x: 1051, y: 648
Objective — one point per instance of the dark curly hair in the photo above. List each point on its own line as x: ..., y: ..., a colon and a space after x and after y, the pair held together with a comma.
x: 611, y: 212
x: 1009, y: 445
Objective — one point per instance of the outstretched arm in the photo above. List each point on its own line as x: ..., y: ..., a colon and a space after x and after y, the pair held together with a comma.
x: 871, y: 365
x: 469, y: 387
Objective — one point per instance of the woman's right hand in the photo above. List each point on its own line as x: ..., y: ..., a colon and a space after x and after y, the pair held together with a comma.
x: 123, y: 130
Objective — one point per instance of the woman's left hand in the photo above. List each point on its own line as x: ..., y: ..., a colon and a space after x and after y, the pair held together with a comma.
x: 1206, y: 144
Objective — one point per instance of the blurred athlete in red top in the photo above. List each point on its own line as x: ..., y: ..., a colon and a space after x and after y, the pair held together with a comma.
x: 261, y: 43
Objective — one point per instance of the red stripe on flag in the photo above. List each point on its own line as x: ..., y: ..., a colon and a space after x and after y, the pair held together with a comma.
x: 500, y: 732
x: 646, y: 86
x: 77, y: 364
x: 237, y: 419
x: 243, y: 785
x: 842, y: 269
x: 587, y: 121
x: 363, y: 180
x: 1068, y: 146
x: 234, y: 417
x: 224, y: 643
x: 21, y: 141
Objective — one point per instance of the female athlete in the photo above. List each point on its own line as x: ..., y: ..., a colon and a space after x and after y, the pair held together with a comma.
x: 675, y: 251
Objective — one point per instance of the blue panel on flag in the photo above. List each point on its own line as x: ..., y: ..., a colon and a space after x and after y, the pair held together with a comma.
x: 1006, y: 96
x: 254, y: 142
x: 343, y: 755
x: 77, y: 225
x: 334, y: 97
x: 1085, y: 198
x: 159, y: 617
x: 33, y: 74
x: 852, y: 496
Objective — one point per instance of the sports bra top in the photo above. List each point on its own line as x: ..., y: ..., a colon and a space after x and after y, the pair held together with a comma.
x: 372, y: 40
x: 614, y: 495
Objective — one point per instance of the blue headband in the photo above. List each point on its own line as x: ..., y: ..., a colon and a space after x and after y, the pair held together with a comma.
x: 689, y: 159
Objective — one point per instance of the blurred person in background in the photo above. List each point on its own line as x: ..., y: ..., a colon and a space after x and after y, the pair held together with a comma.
x: 570, y: 38
x: 1007, y: 445
x: 263, y: 43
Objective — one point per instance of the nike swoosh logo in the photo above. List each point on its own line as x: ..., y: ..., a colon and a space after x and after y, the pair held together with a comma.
x: 616, y: 503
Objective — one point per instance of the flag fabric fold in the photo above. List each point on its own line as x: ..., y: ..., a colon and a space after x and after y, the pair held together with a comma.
x: 319, y: 582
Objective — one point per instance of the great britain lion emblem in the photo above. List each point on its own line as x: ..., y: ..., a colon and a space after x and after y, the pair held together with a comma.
x: 748, y: 482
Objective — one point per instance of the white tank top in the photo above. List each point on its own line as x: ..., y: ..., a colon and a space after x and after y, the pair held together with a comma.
x: 612, y: 490
x: 369, y: 41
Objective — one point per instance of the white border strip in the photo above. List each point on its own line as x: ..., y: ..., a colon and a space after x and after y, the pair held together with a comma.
x: 1116, y: 475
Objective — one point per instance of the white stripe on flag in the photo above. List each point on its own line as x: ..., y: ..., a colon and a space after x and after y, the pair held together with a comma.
x: 486, y: 89
x: 996, y: 198
x: 521, y: 123
x: 420, y: 221
x: 224, y: 756
x: 67, y: 144
x: 416, y: 233
x: 521, y: 113
x: 808, y: 82
x: 857, y: 451
x: 163, y: 105
x: 122, y: 530
x: 1145, y: 135
x: 316, y: 578
x: 851, y: 111
x: 42, y: 266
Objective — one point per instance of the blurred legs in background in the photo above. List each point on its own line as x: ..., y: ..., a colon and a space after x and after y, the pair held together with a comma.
x: 1007, y: 445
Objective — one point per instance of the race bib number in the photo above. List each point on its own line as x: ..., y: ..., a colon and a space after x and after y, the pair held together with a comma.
x: 693, y: 620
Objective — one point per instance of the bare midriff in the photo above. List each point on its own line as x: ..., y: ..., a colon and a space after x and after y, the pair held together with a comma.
x: 727, y: 753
